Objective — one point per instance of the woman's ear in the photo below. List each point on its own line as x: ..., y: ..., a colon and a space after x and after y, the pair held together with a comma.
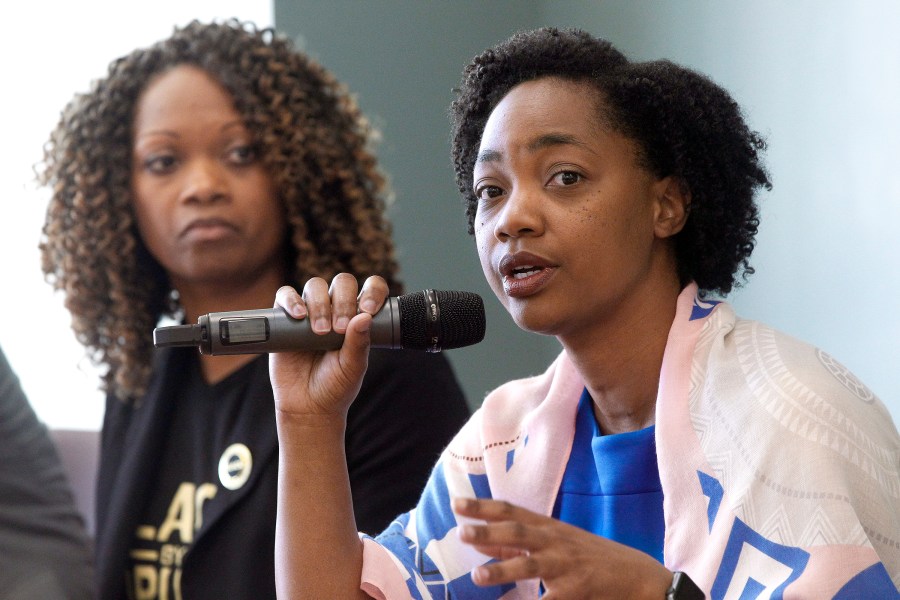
x: 672, y: 207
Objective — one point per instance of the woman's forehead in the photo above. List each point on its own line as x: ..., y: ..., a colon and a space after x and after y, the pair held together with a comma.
x: 542, y: 112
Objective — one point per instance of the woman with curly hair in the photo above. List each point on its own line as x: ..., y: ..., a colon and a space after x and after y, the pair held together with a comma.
x: 672, y: 450
x: 197, y: 176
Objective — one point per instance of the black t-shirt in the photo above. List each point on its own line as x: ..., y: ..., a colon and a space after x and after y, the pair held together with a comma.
x: 200, y: 465
x: 166, y: 516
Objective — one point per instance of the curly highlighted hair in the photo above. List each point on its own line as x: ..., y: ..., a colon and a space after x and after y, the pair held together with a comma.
x: 684, y: 125
x: 312, y: 139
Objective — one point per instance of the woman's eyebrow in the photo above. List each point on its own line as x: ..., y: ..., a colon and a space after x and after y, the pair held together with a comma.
x: 236, y: 124
x: 489, y: 156
x: 556, y: 139
x: 539, y: 143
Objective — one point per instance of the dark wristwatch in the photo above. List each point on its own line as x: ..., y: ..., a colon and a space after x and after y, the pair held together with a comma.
x: 683, y: 588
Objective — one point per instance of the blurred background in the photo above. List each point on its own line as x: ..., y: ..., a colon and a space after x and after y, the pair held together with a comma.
x: 818, y: 79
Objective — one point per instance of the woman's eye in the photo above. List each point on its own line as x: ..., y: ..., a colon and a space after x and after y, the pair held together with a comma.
x: 486, y: 192
x: 160, y: 163
x: 566, y: 178
x: 242, y: 155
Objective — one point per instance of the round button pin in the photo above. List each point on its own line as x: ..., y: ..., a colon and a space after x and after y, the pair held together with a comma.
x: 235, y: 466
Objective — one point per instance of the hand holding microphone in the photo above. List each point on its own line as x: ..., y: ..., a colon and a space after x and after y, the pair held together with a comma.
x: 323, y: 386
x: 429, y: 320
x: 312, y: 387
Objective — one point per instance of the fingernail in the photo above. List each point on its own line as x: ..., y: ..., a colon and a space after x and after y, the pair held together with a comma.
x: 367, y: 305
x: 365, y: 326
x: 298, y: 310
x: 321, y: 324
x: 341, y: 323
x: 479, y: 574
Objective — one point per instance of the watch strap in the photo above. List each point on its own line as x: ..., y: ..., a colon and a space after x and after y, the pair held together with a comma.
x: 683, y: 588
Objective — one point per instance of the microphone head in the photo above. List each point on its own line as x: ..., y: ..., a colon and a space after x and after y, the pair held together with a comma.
x: 434, y: 320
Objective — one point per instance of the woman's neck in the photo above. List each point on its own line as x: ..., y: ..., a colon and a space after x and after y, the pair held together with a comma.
x: 199, y: 299
x: 621, y: 357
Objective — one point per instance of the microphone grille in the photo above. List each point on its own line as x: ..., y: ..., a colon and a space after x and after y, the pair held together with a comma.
x: 461, y: 320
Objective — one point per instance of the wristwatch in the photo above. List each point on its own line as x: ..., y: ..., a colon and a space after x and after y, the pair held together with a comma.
x: 683, y: 588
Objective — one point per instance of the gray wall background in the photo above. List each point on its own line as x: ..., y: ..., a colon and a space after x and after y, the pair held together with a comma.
x: 818, y: 79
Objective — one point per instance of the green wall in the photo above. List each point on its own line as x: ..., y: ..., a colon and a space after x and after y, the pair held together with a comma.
x: 402, y: 60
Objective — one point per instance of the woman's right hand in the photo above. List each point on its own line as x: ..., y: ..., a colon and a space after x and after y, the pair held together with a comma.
x: 316, y: 383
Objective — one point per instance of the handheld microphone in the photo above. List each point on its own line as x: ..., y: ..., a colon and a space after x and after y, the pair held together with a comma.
x: 428, y: 320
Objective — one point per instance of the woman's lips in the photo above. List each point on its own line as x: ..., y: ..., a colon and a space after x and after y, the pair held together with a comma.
x: 204, y: 230
x: 524, y: 274
x: 520, y: 286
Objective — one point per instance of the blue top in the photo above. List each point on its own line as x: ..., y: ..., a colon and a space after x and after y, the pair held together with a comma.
x: 611, y: 484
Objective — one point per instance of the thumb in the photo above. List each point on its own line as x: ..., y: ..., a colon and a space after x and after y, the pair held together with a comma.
x: 354, y: 353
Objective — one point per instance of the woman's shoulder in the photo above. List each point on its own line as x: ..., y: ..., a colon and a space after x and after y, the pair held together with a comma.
x: 783, y: 361
x: 509, y: 411
x: 794, y: 382
x: 560, y: 379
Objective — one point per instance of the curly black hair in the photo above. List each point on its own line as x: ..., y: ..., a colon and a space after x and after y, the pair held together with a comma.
x: 683, y: 123
x: 312, y: 139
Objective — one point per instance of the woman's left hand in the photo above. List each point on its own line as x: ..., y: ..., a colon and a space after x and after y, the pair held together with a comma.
x: 571, y: 562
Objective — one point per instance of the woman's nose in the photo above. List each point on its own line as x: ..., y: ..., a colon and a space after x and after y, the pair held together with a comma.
x: 520, y: 215
x: 204, y: 181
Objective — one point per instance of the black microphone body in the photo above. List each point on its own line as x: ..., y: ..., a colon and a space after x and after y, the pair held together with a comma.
x: 428, y: 320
